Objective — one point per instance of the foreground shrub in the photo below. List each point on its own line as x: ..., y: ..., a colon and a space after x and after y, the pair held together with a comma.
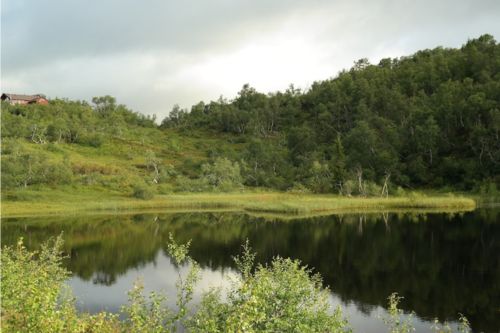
x: 398, y: 322
x: 151, y: 314
x: 32, y: 284
x: 35, y: 297
x: 281, y: 297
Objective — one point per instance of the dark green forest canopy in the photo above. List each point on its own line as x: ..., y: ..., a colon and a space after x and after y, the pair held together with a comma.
x: 429, y: 120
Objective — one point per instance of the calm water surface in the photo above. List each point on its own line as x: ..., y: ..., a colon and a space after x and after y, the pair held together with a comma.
x: 442, y: 264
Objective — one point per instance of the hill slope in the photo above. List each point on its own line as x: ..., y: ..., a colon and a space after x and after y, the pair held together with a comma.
x: 429, y: 120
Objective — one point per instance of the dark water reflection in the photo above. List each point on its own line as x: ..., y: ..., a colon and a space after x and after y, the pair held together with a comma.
x: 443, y: 264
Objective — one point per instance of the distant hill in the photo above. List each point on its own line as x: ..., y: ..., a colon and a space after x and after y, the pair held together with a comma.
x: 428, y: 120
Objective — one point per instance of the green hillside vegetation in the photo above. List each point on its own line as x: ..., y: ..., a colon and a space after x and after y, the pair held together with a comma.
x: 71, y: 145
x: 429, y: 121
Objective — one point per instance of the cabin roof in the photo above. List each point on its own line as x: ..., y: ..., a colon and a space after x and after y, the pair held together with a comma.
x: 19, y: 97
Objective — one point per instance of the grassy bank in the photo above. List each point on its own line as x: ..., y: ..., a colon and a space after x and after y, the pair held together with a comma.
x: 66, y: 201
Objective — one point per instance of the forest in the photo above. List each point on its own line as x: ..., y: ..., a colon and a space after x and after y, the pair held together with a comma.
x: 430, y: 120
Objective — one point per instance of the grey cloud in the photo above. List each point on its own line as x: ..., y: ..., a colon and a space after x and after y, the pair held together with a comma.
x: 58, y: 29
x: 140, y: 51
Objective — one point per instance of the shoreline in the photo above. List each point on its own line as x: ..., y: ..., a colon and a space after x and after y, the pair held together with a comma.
x: 277, y: 203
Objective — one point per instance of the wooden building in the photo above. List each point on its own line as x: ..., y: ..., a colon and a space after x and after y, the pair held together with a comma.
x: 25, y: 99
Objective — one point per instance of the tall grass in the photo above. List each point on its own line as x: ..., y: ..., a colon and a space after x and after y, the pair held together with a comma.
x: 76, y: 200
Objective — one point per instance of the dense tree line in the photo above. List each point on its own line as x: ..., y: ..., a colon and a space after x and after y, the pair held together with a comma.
x: 431, y: 119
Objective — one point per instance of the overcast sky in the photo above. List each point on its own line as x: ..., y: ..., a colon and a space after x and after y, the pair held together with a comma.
x: 152, y: 54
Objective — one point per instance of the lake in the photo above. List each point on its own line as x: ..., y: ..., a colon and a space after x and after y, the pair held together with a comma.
x: 442, y: 264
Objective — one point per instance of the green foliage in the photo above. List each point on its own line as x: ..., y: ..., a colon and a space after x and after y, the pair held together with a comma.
x: 35, y: 297
x: 92, y: 140
x: 185, y: 184
x: 21, y: 168
x: 338, y: 165
x: 185, y: 284
x: 403, y: 117
x: 395, y: 319
x: 38, y: 139
x: 299, y: 189
x: 463, y: 326
x: 32, y: 285
x: 398, y: 322
x: 222, y: 174
x: 145, y: 315
x: 488, y: 189
x: 142, y: 191
x: 319, y: 180
x: 265, y: 164
x: 281, y: 297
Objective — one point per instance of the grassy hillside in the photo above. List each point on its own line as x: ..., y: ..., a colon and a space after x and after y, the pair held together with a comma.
x: 125, y: 157
x: 53, y: 176
x: 105, y: 161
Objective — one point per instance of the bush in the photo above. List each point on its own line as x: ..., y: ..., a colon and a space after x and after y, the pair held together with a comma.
x: 400, y: 192
x: 32, y: 285
x: 372, y: 189
x: 281, y: 297
x: 165, y: 188
x: 92, y: 140
x: 52, y: 147
x: 167, y: 173
x: 319, y: 179
x: 398, y: 322
x: 298, y: 188
x: 349, y: 187
x: 35, y: 297
x: 151, y: 315
x: 24, y: 168
x: 185, y: 184
x: 395, y: 317
x: 58, y: 173
x: 141, y: 191
x: 91, y: 178
x: 222, y: 174
x: 488, y: 188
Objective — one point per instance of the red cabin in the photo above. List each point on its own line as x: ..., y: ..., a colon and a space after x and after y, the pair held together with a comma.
x: 25, y: 99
